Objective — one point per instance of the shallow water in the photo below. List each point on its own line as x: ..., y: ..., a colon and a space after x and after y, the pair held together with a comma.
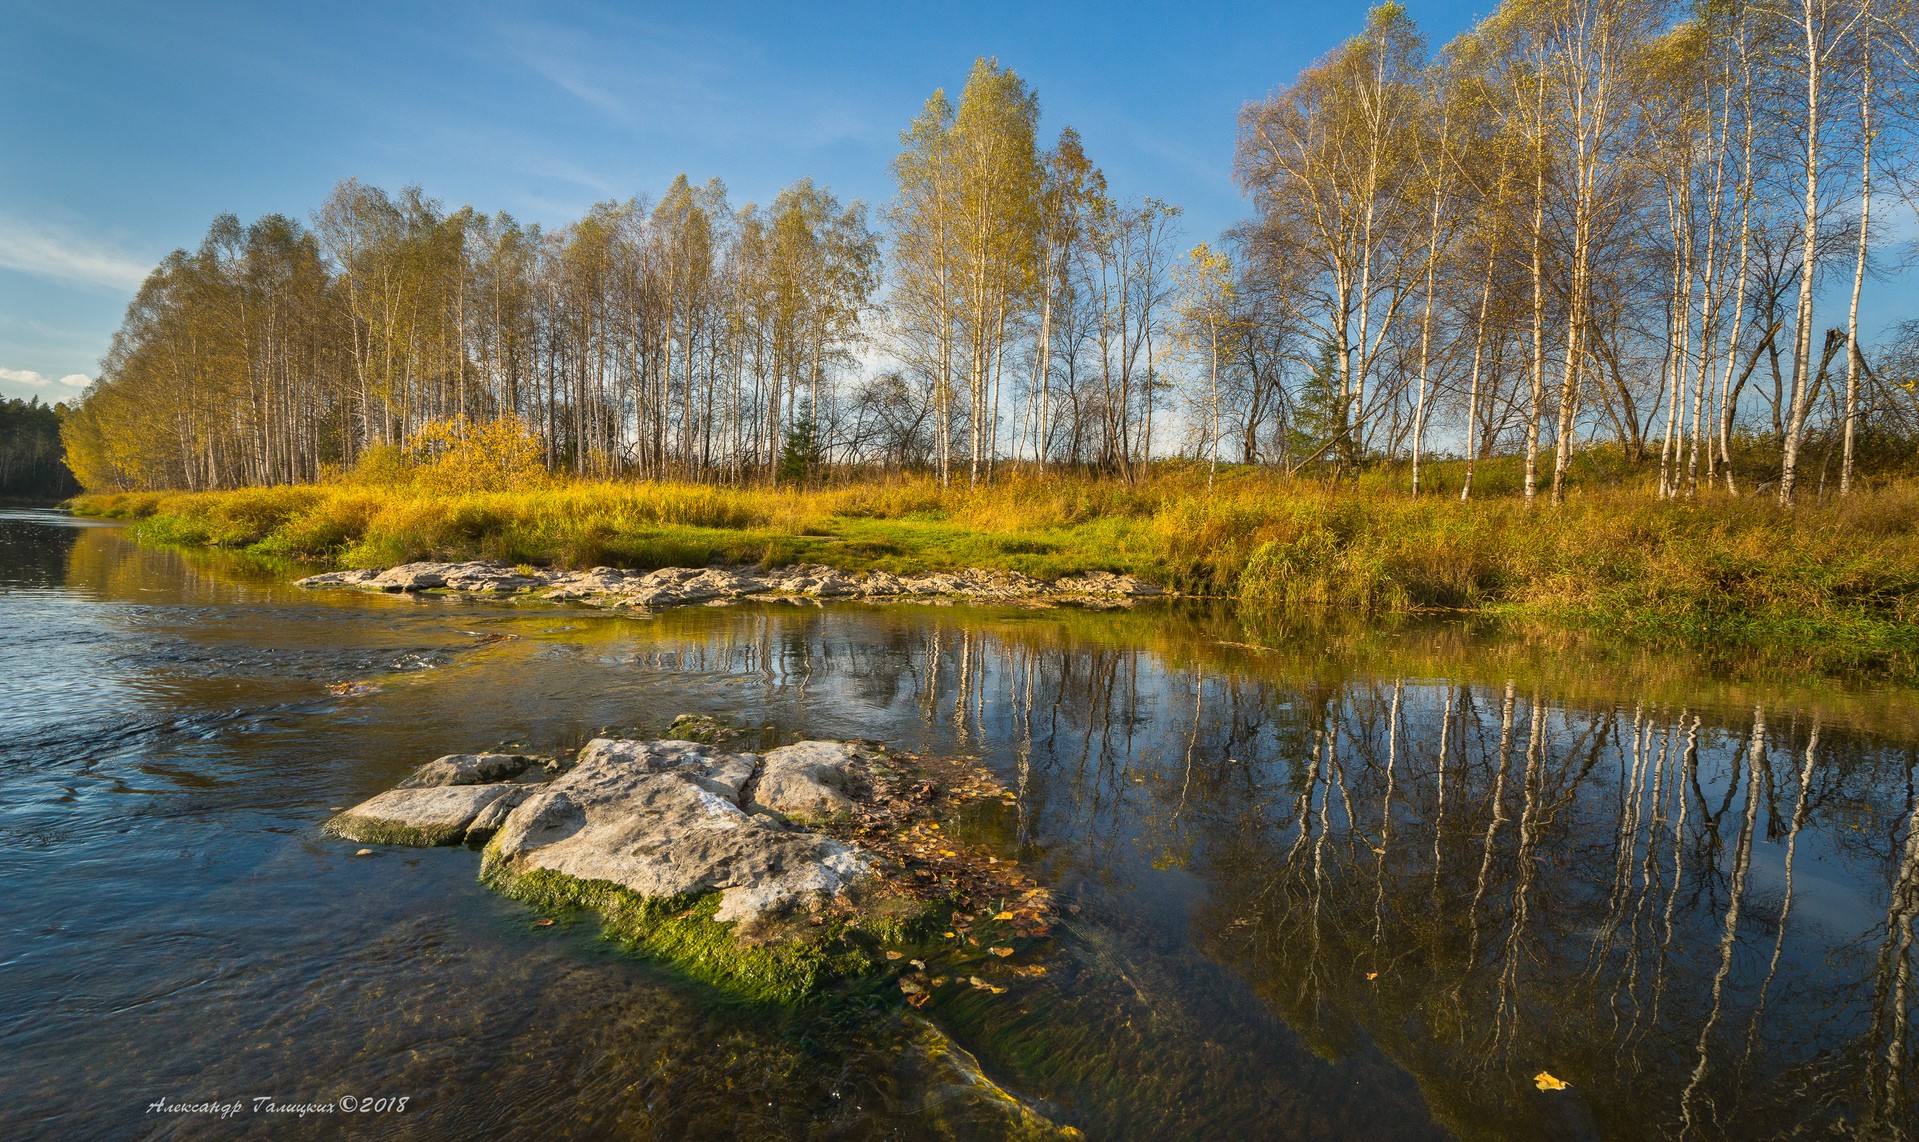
x: 1341, y: 885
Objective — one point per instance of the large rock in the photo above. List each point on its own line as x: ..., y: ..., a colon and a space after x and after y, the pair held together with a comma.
x: 663, y: 820
x: 433, y: 815
x: 468, y: 769
x: 805, y: 781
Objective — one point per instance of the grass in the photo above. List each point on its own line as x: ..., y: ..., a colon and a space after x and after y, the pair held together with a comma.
x: 1717, y: 568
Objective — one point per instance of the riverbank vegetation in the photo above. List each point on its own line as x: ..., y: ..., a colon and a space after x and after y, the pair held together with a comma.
x: 1710, y: 568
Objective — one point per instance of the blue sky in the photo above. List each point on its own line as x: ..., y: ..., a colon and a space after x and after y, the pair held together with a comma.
x: 127, y: 127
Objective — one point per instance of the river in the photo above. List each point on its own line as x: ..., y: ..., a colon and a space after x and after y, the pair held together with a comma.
x: 1326, y: 883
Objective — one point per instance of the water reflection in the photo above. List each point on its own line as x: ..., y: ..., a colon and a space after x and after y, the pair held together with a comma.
x: 1352, y: 883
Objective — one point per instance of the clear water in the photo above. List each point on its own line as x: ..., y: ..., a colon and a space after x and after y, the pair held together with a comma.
x: 1343, y: 884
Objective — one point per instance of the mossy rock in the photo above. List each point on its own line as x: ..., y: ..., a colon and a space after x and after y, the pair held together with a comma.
x: 782, y: 966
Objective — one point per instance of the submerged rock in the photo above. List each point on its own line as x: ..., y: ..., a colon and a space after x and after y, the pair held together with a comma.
x: 701, y: 728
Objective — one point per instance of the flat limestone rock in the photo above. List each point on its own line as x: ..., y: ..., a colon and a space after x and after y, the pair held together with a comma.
x: 712, y: 769
x: 804, y: 780
x: 481, y: 829
x: 662, y: 820
x: 434, y: 815
x: 468, y: 769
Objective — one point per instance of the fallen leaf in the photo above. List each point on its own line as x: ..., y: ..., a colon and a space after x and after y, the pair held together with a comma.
x: 547, y: 922
x: 920, y: 1000
x: 364, y: 853
x: 1004, y: 916
x: 1545, y: 1081
x: 1001, y: 952
x: 1372, y: 975
x: 892, y: 955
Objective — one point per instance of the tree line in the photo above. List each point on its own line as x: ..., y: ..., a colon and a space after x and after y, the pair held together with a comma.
x: 1581, y: 221
x: 1584, y: 219
x: 30, y: 467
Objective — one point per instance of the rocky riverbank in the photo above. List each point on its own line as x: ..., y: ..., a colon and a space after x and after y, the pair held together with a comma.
x: 684, y: 586
x: 767, y: 873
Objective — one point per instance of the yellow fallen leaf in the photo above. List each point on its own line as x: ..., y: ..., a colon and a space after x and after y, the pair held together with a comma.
x: 1001, y: 952
x: 1545, y: 1081
x: 1004, y: 916
x: 1372, y: 975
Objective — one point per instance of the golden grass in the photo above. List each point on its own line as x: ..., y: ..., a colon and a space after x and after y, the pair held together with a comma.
x: 1702, y: 568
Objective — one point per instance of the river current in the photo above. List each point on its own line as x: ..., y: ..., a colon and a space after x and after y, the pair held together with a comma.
x: 1321, y: 884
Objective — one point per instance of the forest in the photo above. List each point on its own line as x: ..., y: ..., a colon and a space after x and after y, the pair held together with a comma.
x: 30, y: 452
x: 1618, y: 226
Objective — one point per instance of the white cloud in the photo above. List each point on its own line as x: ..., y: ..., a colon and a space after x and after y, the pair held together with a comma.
x: 41, y: 380
x: 48, y: 251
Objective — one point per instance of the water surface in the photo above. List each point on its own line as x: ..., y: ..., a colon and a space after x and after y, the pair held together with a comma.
x: 1333, y: 885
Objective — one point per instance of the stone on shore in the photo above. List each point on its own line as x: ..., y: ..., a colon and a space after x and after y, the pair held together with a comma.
x: 670, y: 587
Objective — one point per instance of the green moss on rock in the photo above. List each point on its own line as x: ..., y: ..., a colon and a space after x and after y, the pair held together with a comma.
x: 681, y: 930
x: 379, y: 831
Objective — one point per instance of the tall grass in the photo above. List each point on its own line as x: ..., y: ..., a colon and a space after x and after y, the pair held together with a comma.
x: 1709, y: 567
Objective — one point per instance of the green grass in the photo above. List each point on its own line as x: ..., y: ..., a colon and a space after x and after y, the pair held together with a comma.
x: 1714, y: 568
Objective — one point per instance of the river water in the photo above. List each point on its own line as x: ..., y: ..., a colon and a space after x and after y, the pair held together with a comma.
x: 1327, y: 884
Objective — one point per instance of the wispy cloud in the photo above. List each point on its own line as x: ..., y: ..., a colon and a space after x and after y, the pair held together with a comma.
x: 51, y: 252
x: 41, y: 380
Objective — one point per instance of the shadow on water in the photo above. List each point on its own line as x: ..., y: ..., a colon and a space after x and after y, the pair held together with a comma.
x: 1323, y: 883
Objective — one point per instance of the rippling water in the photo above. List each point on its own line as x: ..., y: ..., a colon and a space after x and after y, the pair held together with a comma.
x: 1340, y: 885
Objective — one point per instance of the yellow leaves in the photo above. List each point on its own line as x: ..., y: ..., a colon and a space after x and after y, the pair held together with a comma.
x: 461, y: 455
x: 1001, y: 951
x: 1372, y: 975
x: 1003, y: 916
x: 1544, y: 1080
